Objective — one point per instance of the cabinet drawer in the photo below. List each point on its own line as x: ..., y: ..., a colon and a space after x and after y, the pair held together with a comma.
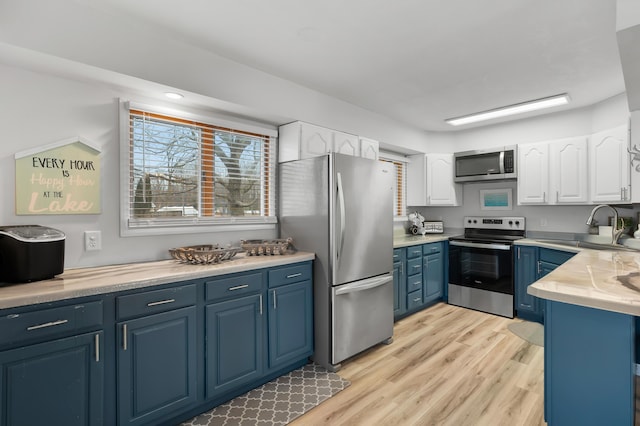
x: 289, y: 274
x: 398, y: 254
x: 414, y: 251
x: 225, y: 287
x: 55, y: 322
x: 152, y: 302
x: 414, y: 282
x: 554, y: 256
x: 414, y: 266
x: 431, y: 248
x: 414, y: 299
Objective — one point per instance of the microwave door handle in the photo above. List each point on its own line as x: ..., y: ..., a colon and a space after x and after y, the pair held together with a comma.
x: 501, y: 162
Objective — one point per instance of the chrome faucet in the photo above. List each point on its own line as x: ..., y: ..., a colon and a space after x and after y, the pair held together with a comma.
x: 615, y: 232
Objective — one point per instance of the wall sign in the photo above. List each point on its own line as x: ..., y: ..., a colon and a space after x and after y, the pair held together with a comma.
x: 61, y: 178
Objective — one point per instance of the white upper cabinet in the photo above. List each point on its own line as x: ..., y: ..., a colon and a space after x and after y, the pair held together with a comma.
x: 315, y: 140
x: 610, y: 166
x: 568, y: 173
x: 299, y: 140
x: 369, y: 148
x: 430, y: 181
x: 533, y: 173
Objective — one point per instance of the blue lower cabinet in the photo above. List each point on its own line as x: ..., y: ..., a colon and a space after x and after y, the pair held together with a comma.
x: 60, y: 382
x: 290, y: 323
x: 588, y: 366
x: 399, y: 282
x: 156, y: 366
x: 433, y: 276
x: 419, y: 277
x: 531, y: 264
x: 233, y: 351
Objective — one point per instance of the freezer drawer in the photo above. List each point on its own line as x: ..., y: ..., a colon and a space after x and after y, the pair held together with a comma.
x: 362, y: 315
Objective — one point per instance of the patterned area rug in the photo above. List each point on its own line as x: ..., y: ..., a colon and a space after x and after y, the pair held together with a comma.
x: 277, y: 402
x: 532, y: 332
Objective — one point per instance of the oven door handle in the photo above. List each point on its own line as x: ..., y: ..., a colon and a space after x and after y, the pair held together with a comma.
x: 493, y: 246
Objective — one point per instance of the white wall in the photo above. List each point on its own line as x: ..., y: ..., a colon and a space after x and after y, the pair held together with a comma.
x: 38, y: 109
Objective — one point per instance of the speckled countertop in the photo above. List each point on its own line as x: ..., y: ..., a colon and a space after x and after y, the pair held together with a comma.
x: 82, y: 282
x: 601, y: 279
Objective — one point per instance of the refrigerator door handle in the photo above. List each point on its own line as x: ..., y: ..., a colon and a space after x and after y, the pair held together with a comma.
x: 364, y: 285
x: 342, y: 214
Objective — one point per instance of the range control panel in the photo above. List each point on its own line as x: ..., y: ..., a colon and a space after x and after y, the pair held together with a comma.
x: 495, y: 222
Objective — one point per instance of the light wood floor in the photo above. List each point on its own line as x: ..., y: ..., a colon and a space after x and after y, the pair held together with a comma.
x: 446, y: 366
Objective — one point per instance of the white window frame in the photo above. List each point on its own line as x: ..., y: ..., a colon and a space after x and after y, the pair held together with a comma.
x: 401, y: 190
x: 153, y: 226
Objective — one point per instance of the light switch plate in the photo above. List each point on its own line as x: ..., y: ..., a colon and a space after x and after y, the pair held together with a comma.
x: 92, y: 240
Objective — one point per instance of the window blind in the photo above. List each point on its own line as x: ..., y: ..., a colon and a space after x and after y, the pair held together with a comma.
x: 400, y: 186
x: 185, y: 172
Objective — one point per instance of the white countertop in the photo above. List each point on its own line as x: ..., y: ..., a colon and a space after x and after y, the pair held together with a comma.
x: 82, y: 282
x: 601, y: 279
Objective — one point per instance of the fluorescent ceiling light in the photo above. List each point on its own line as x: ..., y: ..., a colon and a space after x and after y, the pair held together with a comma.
x: 173, y: 95
x: 510, y: 110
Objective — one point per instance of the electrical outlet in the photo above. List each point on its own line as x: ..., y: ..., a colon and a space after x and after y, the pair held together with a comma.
x: 92, y: 240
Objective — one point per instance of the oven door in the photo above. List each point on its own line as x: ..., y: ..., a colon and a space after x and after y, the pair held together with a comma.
x: 481, y: 276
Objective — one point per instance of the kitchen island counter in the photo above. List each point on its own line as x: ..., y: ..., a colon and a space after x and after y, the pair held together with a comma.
x: 73, y: 283
x: 590, y: 309
x: 601, y: 279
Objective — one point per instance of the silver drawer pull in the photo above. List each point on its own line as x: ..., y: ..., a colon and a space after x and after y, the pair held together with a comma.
x: 97, y: 342
x: 47, y: 324
x: 161, y: 302
x: 416, y: 299
x: 294, y: 275
x: 238, y: 287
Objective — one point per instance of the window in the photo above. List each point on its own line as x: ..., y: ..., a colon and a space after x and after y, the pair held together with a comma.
x: 184, y: 171
x: 400, y: 187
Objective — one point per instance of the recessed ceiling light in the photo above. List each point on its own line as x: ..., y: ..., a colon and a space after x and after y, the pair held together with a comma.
x: 510, y: 110
x: 173, y: 95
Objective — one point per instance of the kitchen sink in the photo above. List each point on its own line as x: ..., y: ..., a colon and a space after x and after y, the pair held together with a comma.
x: 588, y: 245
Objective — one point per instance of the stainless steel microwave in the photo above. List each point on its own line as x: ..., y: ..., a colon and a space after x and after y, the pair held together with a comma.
x: 486, y: 164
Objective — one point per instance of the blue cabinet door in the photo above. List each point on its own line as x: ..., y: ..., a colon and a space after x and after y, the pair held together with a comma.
x: 433, y: 276
x: 399, y: 283
x: 54, y: 383
x: 156, y: 366
x: 588, y: 366
x: 526, y: 273
x: 234, y: 343
x: 290, y: 323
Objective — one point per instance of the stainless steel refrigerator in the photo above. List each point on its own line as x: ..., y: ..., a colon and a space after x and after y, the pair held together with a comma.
x: 341, y: 208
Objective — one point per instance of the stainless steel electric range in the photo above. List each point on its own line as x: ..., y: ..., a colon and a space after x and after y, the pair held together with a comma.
x: 481, y: 275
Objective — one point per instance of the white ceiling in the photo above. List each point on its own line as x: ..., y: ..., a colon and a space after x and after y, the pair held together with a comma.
x: 418, y: 61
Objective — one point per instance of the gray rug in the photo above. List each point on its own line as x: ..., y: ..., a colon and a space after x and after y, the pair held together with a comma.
x: 277, y: 402
x: 532, y: 332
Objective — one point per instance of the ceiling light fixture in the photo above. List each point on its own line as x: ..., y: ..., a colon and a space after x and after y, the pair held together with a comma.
x: 173, y: 95
x: 510, y: 110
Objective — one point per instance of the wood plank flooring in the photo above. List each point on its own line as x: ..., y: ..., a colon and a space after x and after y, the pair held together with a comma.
x: 446, y: 366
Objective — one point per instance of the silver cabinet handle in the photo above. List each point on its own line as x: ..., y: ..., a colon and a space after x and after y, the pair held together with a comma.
x: 161, y: 302
x: 557, y: 197
x: 417, y: 299
x: 47, y: 324
x: 539, y: 265
x: 124, y: 337
x: 622, y: 193
x: 294, y: 275
x: 518, y: 253
x: 97, y: 341
x: 275, y: 304
x: 544, y: 197
x: 238, y: 287
x: 261, y: 304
